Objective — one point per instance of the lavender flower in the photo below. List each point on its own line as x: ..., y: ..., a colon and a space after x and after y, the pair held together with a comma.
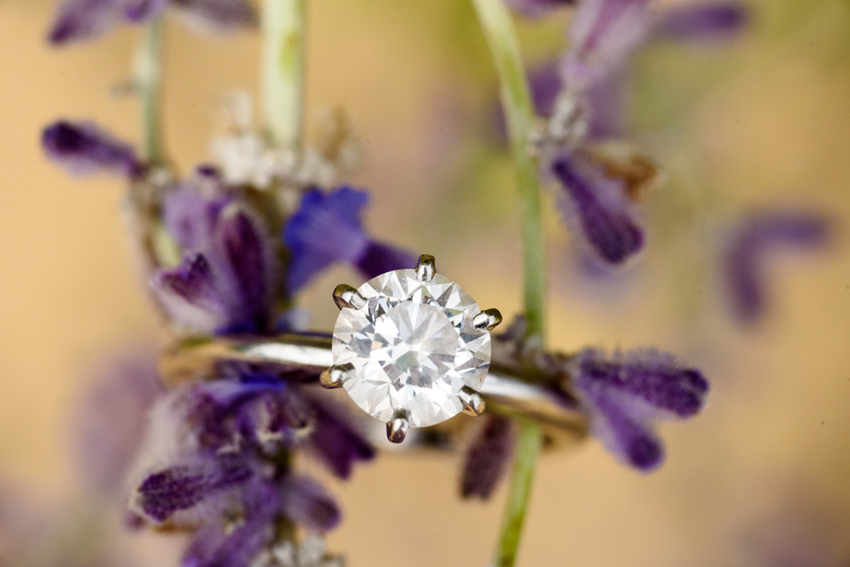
x: 82, y: 148
x: 705, y: 21
x: 755, y: 242
x: 598, y: 208
x: 226, y: 281
x: 327, y: 228
x: 624, y: 393
x: 217, y: 451
x: 79, y: 20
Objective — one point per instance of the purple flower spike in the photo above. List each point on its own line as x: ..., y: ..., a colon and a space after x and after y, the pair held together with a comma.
x: 703, y: 22
x: 623, y: 394
x: 757, y: 239
x: 488, y: 458
x: 598, y: 209
x: 327, y: 228
x: 78, y: 20
x: 603, y: 34
x: 224, y: 284
x: 537, y: 8
x: 84, y: 149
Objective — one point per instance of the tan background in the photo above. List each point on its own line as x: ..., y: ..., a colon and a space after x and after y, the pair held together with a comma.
x: 764, y: 121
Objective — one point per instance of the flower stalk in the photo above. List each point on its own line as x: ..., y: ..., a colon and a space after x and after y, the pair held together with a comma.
x: 283, y: 71
x: 528, y: 447
x: 148, y: 78
x: 496, y: 23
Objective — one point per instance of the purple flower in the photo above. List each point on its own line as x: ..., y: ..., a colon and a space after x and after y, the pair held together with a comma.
x: 598, y: 208
x: 78, y: 20
x: 537, y: 8
x: 217, y: 451
x: 110, y: 423
x: 327, y: 228
x: 624, y: 393
x: 705, y: 21
x: 84, y: 149
x: 755, y: 242
x: 226, y: 281
x: 488, y: 457
x: 603, y: 34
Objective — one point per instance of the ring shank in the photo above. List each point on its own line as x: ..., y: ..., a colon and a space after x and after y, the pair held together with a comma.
x: 310, y: 354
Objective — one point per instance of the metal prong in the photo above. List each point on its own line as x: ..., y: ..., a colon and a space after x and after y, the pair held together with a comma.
x: 473, y: 402
x: 487, y: 319
x: 335, y: 376
x: 347, y: 296
x: 426, y: 268
x: 398, y: 426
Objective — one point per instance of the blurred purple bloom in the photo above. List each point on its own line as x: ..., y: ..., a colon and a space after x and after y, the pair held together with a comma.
x: 110, y: 423
x: 755, y: 241
x: 82, y: 148
x: 488, y: 457
x: 78, y: 20
x: 597, y: 207
x: 603, y: 34
x: 624, y: 393
x: 226, y: 281
x: 704, y: 21
x: 327, y: 228
x: 537, y: 8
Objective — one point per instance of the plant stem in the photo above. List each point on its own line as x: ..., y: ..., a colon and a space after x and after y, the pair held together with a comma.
x: 283, y: 70
x: 148, y: 77
x: 498, y: 29
x: 528, y: 447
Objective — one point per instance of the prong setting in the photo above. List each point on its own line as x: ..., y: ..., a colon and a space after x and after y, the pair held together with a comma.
x: 397, y: 427
x: 473, y: 402
x: 335, y: 376
x: 426, y: 268
x: 487, y: 319
x: 347, y: 296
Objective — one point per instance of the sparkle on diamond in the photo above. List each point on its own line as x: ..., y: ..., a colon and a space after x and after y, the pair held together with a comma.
x: 413, y: 347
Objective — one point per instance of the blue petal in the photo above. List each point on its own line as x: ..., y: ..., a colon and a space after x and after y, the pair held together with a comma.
x: 325, y: 229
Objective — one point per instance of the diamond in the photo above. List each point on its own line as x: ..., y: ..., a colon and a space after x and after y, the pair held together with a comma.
x: 413, y: 347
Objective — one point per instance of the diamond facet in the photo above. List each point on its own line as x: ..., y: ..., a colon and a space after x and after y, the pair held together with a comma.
x: 413, y: 347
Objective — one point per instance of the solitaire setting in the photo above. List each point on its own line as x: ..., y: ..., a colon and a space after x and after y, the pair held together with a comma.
x: 411, y: 348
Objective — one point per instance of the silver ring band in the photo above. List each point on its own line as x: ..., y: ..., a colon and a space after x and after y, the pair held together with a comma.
x: 504, y: 390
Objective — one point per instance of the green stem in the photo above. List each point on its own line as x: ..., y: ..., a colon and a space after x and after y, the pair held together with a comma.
x: 528, y: 447
x: 149, y: 83
x: 283, y: 70
x: 497, y: 25
x: 498, y: 29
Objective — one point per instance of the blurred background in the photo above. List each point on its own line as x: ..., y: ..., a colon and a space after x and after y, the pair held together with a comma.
x: 761, y: 122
